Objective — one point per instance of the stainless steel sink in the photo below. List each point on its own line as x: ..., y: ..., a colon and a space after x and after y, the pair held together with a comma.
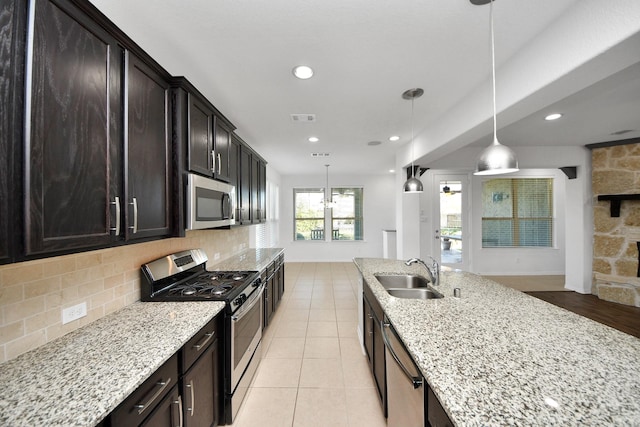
x: 402, y: 281
x: 415, y: 293
x: 407, y: 286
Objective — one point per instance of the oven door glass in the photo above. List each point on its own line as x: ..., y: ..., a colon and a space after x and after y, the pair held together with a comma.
x: 246, y: 332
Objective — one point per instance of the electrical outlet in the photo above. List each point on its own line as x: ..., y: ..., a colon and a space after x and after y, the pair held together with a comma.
x: 216, y: 256
x: 74, y: 313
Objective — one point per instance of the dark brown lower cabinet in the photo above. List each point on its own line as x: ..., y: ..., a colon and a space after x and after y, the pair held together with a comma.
x: 185, y: 391
x: 374, y: 344
x: 436, y: 415
x: 148, y: 398
x: 274, y: 288
x: 166, y: 413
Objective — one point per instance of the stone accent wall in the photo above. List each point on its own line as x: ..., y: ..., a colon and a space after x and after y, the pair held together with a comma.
x: 616, y: 170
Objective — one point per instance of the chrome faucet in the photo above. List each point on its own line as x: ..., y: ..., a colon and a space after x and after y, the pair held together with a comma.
x: 433, y: 272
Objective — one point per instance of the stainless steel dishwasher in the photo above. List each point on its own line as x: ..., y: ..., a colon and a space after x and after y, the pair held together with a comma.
x: 405, y: 385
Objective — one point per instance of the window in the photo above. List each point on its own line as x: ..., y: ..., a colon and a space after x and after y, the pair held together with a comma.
x: 345, y: 216
x: 346, y: 220
x: 309, y: 213
x: 517, y: 212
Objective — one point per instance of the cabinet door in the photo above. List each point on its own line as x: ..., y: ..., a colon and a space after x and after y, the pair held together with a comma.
x: 148, y: 150
x: 368, y: 331
x: 200, y: 143
x: 167, y: 413
x: 222, y: 137
x: 244, y: 204
x: 255, y: 189
x: 201, y: 390
x: 12, y: 21
x: 74, y: 128
x: 234, y: 170
x: 262, y: 191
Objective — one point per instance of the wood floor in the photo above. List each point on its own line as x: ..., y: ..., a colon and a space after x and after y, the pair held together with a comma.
x: 622, y: 317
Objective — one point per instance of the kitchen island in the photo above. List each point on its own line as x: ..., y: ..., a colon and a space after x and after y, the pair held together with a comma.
x: 496, y: 356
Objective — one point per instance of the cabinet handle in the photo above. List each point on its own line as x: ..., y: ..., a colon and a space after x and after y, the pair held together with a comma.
x: 116, y: 202
x: 219, y: 164
x: 370, y: 324
x: 193, y: 400
x: 206, y: 339
x: 162, y: 385
x: 179, y: 403
x: 213, y: 161
x: 134, y: 227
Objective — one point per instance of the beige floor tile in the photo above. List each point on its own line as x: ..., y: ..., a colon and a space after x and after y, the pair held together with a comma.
x: 357, y: 374
x: 294, y: 315
x: 344, y: 304
x: 291, y: 329
x: 323, y: 303
x: 364, y: 408
x: 267, y: 407
x: 350, y: 348
x: 347, y: 329
x: 321, y: 408
x: 346, y: 315
x: 321, y: 373
x: 299, y: 303
x: 322, y: 315
x: 285, y: 348
x: 322, y: 329
x: 321, y: 348
x: 278, y: 373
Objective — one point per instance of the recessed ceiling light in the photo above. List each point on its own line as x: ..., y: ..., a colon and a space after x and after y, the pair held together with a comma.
x: 554, y: 116
x: 303, y: 72
x: 314, y: 139
x: 392, y: 171
x: 394, y: 138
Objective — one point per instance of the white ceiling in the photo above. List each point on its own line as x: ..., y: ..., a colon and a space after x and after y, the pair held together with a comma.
x: 365, y: 53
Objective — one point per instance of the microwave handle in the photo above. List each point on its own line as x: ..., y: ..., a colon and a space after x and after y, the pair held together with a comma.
x: 226, y: 206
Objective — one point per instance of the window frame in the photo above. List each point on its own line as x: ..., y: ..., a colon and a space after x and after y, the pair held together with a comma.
x: 307, y: 190
x: 516, y: 220
x: 358, y: 221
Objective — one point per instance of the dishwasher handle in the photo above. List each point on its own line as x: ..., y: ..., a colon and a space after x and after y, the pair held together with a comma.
x: 416, y: 381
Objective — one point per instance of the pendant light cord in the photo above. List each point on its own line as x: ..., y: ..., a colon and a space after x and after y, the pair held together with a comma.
x: 413, y: 170
x: 493, y: 71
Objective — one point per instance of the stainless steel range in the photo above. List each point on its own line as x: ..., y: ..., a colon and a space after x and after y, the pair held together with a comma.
x: 183, y: 277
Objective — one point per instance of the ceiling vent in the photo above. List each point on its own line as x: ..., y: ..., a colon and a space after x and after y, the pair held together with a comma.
x: 319, y: 154
x: 303, y: 118
x: 622, y: 132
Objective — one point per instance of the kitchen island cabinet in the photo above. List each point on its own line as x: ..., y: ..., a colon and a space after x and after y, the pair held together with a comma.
x: 496, y: 356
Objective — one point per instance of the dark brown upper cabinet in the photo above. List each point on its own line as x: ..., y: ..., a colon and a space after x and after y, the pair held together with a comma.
x: 251, y: 185
x: 73, y: 131
x: 207, y: 132
x: 98, y: 154
x: 12, y: 45
x: 148, y: 168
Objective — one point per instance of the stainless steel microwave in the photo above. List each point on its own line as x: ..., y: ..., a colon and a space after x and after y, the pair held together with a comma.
x: 210, y: 203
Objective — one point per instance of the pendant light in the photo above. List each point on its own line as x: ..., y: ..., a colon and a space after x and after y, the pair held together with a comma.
x: 328, y: 197
x: 496, y: 158
x: 413, y: 184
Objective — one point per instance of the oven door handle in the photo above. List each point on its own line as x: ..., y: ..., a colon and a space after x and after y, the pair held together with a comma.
x: 248, y: 305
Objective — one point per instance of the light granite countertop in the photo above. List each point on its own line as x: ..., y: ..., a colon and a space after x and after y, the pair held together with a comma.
x: 79, y: 378
x: 499, y: 357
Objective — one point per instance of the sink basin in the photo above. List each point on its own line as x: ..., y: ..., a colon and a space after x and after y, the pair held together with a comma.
x: 415, y: 293
x: 402, y: 281
x: 407, y: 286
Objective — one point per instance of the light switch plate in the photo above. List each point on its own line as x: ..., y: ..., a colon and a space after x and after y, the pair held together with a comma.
x: 74, y: 313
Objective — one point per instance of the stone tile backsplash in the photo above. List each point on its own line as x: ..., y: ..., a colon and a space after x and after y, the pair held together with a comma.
x: 33, y: 293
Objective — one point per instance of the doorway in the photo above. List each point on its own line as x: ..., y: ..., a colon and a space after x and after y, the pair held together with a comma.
x: 451, y: 231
